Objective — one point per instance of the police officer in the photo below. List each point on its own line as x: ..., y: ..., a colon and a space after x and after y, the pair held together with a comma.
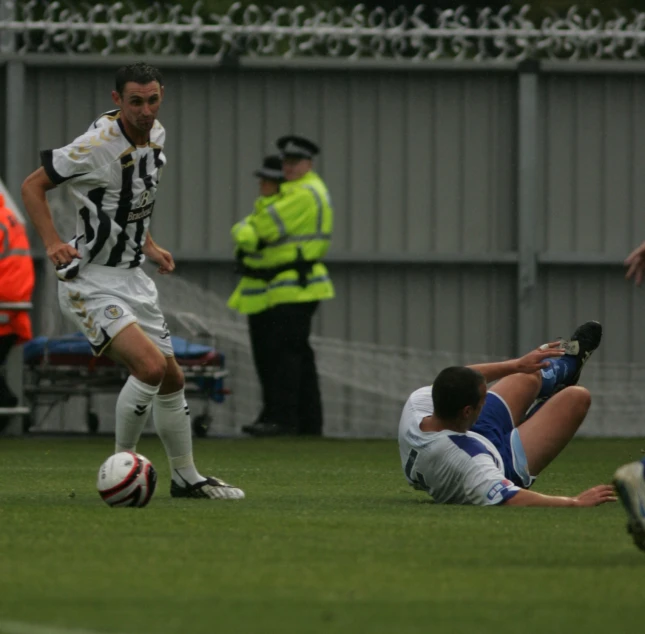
x: 281, y: 246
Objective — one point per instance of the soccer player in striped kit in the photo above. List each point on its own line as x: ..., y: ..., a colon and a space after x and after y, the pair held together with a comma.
x: 113, y: 172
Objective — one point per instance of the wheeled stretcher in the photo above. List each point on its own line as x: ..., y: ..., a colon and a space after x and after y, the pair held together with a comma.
x: 57, y: 368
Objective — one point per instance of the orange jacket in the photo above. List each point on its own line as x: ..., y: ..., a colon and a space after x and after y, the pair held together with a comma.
x: 16, y: 274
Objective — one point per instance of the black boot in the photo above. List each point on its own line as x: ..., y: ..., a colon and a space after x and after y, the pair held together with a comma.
x: 583, y: 342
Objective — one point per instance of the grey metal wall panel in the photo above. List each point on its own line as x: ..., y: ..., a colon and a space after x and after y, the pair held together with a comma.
x: 223, y: 209
x: 391, y: 182
x: 636, y: 226
x: 593, y: 159
x: 332, y: 320
x: 414, y: 161
x: 618, y: 151
x: 445, y: 308
x: 192, y: 151
x: 335, y: 135
x: 570, y: 295
x: 277, y: 116
x: 249, y: 103
x: 173, y: 208
x: 362, y: 164
x: 420, y: 164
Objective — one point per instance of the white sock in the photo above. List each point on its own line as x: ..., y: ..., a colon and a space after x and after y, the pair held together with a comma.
x: 172, y: 420
x: 132, y: 411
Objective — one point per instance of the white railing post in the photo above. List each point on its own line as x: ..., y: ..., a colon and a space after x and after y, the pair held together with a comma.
x: 527, y: 181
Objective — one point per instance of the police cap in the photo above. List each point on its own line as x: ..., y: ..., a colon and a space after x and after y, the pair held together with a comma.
x: 271, y: 169
x: 297, y: 147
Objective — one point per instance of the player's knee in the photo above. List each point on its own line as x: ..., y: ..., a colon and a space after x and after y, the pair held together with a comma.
x: 580, y: 399
x: 535, y: 379
x: 152, y: 370
x: 173, y: 382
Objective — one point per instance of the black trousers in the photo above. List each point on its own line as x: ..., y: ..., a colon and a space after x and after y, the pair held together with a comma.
x: 7, y: 397
x: 6, y: 343
x: 286, y: 366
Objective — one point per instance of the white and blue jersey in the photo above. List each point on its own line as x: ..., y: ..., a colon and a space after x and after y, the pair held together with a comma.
x: 454, y: 468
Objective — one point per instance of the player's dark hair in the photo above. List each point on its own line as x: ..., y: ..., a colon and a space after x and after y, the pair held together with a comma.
x: 139, y: 73
x: 455, y: 388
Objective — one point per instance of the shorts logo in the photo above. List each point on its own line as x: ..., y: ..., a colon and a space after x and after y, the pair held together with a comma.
x: 113, y: 311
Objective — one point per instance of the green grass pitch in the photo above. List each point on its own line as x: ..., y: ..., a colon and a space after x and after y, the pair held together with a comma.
x: 329, y: 539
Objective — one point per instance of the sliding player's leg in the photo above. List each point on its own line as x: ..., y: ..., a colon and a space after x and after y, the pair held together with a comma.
x: 504, y: 414
x: 517, y: 392
x: 544, y: 435
x: 171, y: 417
x: 504, y: 410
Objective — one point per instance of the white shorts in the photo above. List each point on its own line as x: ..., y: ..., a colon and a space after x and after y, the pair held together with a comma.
x: 102, y: 300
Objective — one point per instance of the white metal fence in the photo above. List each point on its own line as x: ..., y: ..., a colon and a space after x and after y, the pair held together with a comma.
x: 508, y: 34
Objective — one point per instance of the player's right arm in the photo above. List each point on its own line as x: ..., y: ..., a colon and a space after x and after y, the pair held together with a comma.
x: 528, y: 364
x: 83, y: 159
x: 34, y: 195
x: 592, y: 497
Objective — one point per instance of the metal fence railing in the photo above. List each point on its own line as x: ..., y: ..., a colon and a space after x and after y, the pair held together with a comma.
x: 507, y: 34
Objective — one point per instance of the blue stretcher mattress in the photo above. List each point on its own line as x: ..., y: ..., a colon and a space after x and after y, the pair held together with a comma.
x: 77, y: 344
x: 76, y: 350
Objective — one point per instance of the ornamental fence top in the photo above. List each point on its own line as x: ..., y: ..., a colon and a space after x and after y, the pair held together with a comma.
x: 505, y: 35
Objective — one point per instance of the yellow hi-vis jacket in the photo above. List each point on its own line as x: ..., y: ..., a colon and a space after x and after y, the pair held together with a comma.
x: 280, y: 247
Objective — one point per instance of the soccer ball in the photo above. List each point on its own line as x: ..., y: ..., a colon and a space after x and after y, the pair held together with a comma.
x: 126, y: 479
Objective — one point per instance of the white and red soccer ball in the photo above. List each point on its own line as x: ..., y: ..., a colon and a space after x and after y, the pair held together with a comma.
x: 126, y: 479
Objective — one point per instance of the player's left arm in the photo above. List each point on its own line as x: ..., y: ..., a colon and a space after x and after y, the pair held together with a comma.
x: 485, y: 484
x: 161, y: 257
x: 528, y: 364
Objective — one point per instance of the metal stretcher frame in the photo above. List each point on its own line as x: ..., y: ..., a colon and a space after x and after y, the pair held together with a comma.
x: 52, y: 378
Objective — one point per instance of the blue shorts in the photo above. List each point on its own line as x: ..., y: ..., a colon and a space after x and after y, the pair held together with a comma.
x: 496, y: 424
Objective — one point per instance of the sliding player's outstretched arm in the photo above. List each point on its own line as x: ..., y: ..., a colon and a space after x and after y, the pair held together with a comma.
x: 592, y: 497
x: 529, y: 363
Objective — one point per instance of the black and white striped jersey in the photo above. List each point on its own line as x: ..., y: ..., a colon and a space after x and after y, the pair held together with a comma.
x: 113, y: 185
